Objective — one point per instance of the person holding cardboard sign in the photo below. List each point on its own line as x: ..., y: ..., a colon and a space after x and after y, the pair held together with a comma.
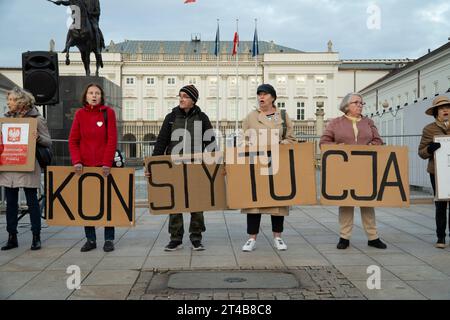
x: 354, y: 128
x: 92, y: 143
x: 440, y: 110
x: 178, y: 135
x: 266, y: 118
x: 21, y: 105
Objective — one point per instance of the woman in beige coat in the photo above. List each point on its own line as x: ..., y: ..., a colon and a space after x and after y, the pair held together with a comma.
x: 21, y: 105
x: 267, y: 117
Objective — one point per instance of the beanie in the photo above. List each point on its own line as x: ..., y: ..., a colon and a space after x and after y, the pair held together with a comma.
x: 191, y: 91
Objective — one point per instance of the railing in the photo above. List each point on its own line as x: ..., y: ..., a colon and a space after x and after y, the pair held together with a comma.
x: 136, y: 151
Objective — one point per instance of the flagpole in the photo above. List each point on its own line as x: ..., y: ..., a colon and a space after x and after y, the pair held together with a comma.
x: 256, y: 61
x: 217, y: 83
x: 237, y: 76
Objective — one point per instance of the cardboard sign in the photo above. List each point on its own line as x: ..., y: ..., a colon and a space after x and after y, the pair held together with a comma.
x: 442, y: 167
x: 90, y: 199
x: 18, y: 145
x: 186, y: 184
x: 365, y: 176
x: 260, y: 178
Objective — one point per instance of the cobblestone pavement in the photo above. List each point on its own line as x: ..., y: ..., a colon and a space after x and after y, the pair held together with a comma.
x: 315, y: 283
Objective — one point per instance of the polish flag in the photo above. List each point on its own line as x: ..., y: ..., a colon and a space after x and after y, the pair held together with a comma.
x: 235, y: 43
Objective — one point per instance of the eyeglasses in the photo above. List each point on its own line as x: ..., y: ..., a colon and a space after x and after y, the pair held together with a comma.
x: 358, y: 102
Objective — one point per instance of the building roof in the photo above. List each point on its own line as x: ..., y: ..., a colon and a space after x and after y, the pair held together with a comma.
x: 373, y: 64
x: 5, y: 83
x: 192, y: 47
x: 410, y: 65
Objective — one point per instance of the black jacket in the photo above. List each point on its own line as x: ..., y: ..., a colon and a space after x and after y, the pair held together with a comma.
x: 173, y: 121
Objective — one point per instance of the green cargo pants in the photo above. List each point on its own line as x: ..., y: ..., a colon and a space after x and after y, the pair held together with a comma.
x: 196, y: 226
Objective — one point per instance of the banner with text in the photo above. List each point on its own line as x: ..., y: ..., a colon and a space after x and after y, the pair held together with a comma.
x: 18, y: 145
x: 442, y: 167
x: 90, y: 199
x: 364, y: 176
x: 190, y: 183
x: 282, y: 176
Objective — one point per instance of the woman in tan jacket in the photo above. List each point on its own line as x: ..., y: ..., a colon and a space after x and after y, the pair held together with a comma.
x: 354, y: 128
x: 440, y: 110
x: 21, y: 105
x: 267, y: 117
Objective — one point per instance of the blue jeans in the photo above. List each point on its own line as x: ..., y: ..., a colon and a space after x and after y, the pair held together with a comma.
x: 12, y: 209
x: 90, y: 233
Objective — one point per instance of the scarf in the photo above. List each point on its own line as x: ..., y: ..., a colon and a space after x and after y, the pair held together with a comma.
x: 354, y: 122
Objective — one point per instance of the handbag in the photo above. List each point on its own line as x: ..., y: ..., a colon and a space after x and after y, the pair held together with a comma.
x: 44, y: 156
x: 119, y: 159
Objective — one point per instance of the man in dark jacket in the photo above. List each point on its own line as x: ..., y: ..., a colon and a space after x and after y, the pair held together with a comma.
x: 183, y: 132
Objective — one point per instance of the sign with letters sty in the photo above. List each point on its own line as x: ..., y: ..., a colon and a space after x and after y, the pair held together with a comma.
x: 189, y: 183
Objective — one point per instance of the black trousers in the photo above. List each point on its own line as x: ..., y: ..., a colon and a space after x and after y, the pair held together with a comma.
x: 441, y: 212
x: 254, y: 221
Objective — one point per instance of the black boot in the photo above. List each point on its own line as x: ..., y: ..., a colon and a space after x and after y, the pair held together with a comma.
x: 377, y: 243
x: 12, y: 242
x: 343, y: 243
x: 36, y: 244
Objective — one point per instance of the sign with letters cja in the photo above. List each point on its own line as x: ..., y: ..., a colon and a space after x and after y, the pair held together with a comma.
x: 90, y: 199
x: 364, y: 176
x: 282, y: 176
x: 188, y: 183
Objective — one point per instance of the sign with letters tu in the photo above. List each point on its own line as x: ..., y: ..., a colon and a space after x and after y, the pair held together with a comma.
x: 90, y: 199
x: 364, y: 176
x: 282, y: 176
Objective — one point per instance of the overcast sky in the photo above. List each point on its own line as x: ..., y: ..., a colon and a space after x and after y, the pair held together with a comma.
x: 358, y: 29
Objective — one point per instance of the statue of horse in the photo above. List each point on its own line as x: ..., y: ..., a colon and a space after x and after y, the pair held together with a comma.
x: 84, y: 33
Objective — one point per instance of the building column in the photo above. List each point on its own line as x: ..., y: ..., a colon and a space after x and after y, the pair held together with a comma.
x: 320, y: 114
x: 140, y: 97
x: 161, y: 110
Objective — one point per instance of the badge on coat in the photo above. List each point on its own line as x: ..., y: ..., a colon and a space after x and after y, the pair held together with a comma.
x: 99, y: 123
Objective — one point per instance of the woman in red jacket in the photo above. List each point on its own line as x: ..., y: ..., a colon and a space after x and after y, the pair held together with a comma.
x: 92, y: 143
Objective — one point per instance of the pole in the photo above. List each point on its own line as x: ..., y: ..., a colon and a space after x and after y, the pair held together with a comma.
x: 237, y: 78
x: 217, y: 84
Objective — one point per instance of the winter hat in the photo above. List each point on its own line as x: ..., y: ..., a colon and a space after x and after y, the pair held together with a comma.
x: 191, y: 91
x: 265, y: 87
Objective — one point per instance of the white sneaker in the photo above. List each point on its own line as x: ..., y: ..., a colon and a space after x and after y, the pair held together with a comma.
x: 249, y: 245
x: 279, y: 244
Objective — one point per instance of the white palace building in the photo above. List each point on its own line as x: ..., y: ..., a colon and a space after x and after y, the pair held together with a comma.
x: 151, y: 73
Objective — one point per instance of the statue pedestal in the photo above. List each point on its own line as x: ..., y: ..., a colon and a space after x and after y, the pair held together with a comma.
x: 60, y: 116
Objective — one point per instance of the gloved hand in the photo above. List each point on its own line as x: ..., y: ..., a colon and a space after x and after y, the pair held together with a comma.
x: 433, y: 146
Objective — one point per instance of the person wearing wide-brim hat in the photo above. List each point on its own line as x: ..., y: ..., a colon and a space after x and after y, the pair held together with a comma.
x: 440, y: 110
